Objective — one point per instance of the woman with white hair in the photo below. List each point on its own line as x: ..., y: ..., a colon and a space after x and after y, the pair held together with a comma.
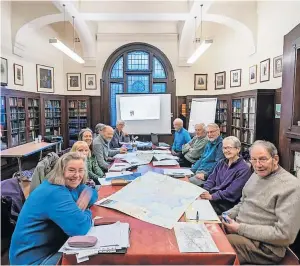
x: 54, y: 211
x: 224, y: 186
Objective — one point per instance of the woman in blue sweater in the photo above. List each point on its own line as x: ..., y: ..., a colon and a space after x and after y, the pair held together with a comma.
x: 224, y: 186
x: 54, y: 211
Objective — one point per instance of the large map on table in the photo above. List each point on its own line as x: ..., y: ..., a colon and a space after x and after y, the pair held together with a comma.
x: 154, y: 198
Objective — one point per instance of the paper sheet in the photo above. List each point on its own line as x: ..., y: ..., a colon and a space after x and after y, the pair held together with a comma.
x: 205, y: 211
x: 165, y: 156
x: 118, y: 167
x: 179, y: 171
x: 165, y: 162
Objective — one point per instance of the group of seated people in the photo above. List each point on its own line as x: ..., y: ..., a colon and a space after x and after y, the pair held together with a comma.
x: 262, y: 208
x: 261, y: 203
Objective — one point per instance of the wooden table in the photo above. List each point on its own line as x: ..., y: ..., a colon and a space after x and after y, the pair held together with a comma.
x: 151, y: 244
x: 26, y: 150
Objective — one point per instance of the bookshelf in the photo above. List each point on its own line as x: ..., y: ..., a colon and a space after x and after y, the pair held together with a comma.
x: 78, y: 118
x: 33, y: 107
x: 221, y: 116
x: 53, y: 117
x: 17, y: 121
x: 3, y: 124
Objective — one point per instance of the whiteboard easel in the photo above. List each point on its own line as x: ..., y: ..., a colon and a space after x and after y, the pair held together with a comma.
x: 203, y: 110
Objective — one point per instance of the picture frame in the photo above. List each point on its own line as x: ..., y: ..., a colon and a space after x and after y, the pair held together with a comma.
x: 4, y: 72
x: 45, y: 78
x: 90, y: 82
x: 74, y: 81
x: 200, y: 82
x: 18, y: 75
x: 220, y: 80
x: 235, y: 78
x: 253, y: 74
x: 265, y: 70
x: 277, y: 66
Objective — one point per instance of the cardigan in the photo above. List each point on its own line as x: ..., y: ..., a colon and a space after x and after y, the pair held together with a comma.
x: 94, y: 170
x: 194, y: 149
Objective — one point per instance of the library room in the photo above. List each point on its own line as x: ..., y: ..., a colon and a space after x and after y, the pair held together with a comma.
x: 189, y: 108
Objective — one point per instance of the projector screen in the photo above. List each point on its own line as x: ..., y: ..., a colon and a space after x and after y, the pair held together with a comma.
x: 140, y: 107
x: 203, y: 110
x: 160, y: 107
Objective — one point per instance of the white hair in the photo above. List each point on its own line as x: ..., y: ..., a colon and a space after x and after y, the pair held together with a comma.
x: 236, y: 142
x: 216, y: 126
x: 120, y: 122
x: 178, y: 120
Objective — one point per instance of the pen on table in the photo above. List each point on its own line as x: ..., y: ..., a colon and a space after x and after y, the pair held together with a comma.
x: 197, y: 216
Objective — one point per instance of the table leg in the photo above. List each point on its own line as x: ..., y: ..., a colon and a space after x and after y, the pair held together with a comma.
x: 19, y: 164
x: 41, y: 155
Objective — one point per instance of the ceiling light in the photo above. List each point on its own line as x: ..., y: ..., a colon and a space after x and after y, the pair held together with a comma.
x: 59, y: 45
x: 199, y: 51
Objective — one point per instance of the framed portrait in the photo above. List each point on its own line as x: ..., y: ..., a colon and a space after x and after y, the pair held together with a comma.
x: 45, y: 78
x: 277, y: 66
x: 220, y: 80
x: 265, y: 70
x: 200, y: 82
x: 90, y: 82
x: 235, y: 78
x: 18, y: 75
x: 4, y: 72
x: 253, y: 74
x: 74, y: 81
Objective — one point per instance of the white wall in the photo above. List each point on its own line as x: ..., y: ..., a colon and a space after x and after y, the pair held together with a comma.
x: 274, y: 20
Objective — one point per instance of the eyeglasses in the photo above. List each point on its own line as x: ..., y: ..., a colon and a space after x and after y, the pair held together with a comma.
x: 260, y: 160
x: 229, y: 148
x: 213, y: 131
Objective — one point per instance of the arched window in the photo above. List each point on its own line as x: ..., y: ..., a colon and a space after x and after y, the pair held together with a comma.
x: 135, y: 68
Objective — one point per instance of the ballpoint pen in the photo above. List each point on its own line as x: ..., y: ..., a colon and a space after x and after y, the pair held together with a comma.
x: 197, y: 216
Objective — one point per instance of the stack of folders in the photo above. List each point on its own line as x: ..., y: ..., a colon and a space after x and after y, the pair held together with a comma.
x: 112, y: 238
x: 201, y: 211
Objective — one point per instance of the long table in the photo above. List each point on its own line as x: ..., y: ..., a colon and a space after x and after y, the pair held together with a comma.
x: 151, y: 244
x: 28, y: 149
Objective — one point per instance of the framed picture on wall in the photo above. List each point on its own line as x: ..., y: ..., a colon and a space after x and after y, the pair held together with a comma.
x: 4, y: 72
x: 253, y: 74
x: 200, y: 82
x: 220, y: 80
x: 265, y: 70
x: 235, y: 78
x: 277, y: 66
x: 74, y: 81
x: 90, y: 82
x: 45, y: 78
x: 18, y: 75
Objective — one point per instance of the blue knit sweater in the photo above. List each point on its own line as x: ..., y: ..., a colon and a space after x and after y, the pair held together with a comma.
x: 48, y: 217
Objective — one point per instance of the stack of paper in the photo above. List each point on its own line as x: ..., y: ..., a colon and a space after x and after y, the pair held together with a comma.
x: 165, y: 156
x: 178, y: 172
x: 119, y: 167
x: 205, y: 212
x: 165, y: 162
x: 111, y: 239
x: 153, y: 152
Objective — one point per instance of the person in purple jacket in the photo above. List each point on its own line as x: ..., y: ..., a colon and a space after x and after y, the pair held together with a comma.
x: 225, y: 184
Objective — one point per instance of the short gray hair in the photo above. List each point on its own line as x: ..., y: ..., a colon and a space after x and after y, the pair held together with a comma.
x: 57, y: 174
x: 82, y: 131
x: 267, y: 145
x: 236, y: 142
x: 179, y: 120
x: 201, y: 125
x: 213, y: 125
x: 120, y: 122
x: 99, y: 127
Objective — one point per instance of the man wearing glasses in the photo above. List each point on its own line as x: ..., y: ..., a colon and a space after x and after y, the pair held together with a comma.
x: 213, y: 153
x: 267, y: 219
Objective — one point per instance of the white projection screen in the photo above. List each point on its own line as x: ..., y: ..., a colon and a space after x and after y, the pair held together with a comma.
x: 162, y: 125
x: 140, y: 107
x: 203, y: 110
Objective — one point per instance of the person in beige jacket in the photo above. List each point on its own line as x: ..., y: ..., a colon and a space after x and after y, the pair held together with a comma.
x: 267, y: 219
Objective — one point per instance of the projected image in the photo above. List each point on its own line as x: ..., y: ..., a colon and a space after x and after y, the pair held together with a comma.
x: 140, y: 108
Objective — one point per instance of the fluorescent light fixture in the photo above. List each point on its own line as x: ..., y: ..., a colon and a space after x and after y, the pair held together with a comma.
x: 59, y: 45
x: 199, y: 51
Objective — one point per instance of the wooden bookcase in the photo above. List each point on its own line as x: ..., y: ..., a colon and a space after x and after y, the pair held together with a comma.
x: 34, y: 118
x: 3, y: 124
x: 78, y: 109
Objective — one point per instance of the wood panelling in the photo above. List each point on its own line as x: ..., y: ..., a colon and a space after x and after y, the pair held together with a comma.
x: 277, y: 120
x: 96, y: 111
x: 290, y: 105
